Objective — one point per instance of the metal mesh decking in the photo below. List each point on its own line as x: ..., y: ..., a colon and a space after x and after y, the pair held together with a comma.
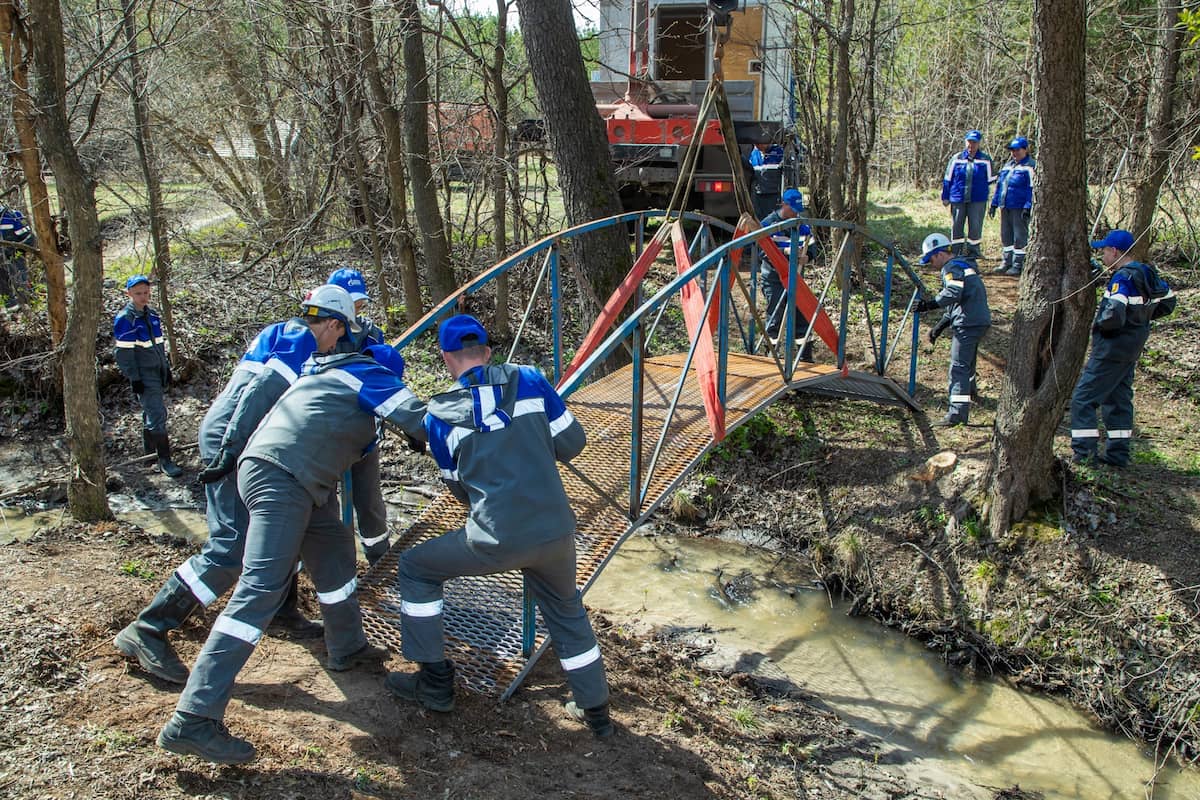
x: 483, y: 616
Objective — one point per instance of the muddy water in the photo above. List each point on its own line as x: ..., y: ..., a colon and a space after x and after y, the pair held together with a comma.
x: 184, y: 520
x: 945, y: 728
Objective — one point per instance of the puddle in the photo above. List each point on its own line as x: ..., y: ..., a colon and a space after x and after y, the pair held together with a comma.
x: 878, y: 680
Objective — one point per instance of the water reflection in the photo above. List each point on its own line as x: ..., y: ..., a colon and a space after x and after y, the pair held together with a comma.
x: 878, y: 680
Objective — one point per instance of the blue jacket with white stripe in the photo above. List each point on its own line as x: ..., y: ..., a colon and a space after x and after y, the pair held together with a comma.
x: 496, y: 438
x: 139, y: 344
x: 968, y: 179
x: 272, y: 363
x: 963, y: 295
x: 1014, y: 187
x: 1135, y: 295
x: 325, y: 421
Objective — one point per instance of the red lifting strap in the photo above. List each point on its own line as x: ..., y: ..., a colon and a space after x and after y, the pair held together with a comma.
x: 705, y: 362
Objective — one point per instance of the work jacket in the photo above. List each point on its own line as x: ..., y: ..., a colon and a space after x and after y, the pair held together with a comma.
x: 1134, y: 296
x: 139, y: 346
x: 968, y: 178
x: 963, y: 295
x: 1014, y: 186
x: 496, y: 438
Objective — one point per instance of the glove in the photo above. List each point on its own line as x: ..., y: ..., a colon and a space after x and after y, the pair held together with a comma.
x: 222, y: 464
x: 992, y: 211
x: 387, y: 356
x: 415, y: 444
x: 924, y: 305
x: 938, y: 329
x: 138, y: 387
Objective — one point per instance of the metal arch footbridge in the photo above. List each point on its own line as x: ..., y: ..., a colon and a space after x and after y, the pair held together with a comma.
x: 697, y: 366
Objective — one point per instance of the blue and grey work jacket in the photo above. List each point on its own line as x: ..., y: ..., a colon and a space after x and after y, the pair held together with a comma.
x: 325, y: 421
x: 963, y: 295
x: 13, y: 228
x: 496, y: 438
x: 968, y: 179
x: 139, y: 347
x: 1135, y: 295
x: 783, y: 239
x: 1014, y: 186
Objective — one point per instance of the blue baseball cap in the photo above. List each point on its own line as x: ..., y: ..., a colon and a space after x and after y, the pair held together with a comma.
x: 794, y: 200
x: 352, y: 281
x: 1019, y: 143
x: 135, y: 280
x: 453, y: 332
x: 1122, y: 240
x: 973, y: 136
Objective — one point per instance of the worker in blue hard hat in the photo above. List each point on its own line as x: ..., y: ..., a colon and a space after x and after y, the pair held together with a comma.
x: 966, y: 186
x: 1014, y: 198
x: 774, y: 291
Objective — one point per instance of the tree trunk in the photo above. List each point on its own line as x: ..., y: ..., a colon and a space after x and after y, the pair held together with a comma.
x: 577, y: 137
x: 147, y: 156
x: 1055, y: 305
x: 388, y: 120
x: 14, y: 39
x: 438, y: 273
x: 76, y: 190
x: 1162, y: 126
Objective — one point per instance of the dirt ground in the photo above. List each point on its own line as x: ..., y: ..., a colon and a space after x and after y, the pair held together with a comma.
x: 1098, y: 599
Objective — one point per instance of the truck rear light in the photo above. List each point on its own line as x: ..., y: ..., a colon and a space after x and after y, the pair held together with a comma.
x: 714, y: 186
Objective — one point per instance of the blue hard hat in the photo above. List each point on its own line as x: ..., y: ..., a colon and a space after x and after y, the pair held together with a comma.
x: 973, y: 136
x: 352, y: 281
x: 794, y: 200
x: 1019, y: 143
x: 1122, y: 240
x: 453, y: 332
x: 135, y: 280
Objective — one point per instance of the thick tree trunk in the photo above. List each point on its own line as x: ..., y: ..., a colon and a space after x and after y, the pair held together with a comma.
x: 1056, y: 303
x: 438, y: 273
x: 390, y: 130
x: 147, y: 156
x: 14, y: 39
x: 1162, y: 125
x: 577, y: 137
x: 76, y: 190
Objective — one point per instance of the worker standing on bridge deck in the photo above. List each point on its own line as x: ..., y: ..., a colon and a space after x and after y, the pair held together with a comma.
x: 774, y: 291
x: 288, y: 477
x: 273, y: 362
x: 496, y: 437
x: 964, y: 300
x: 966, y: 186
x: 365, y: 491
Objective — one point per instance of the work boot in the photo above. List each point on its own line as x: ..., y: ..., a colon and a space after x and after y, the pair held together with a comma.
x: 432, y: 686
x: 947, y: 422
x: 363, y: 656
x: 209, y: 739
x: 146, y: 637
x: 163, y: 446
x: 148, y: 444
x: 597, y: 719
x: 289, y: 621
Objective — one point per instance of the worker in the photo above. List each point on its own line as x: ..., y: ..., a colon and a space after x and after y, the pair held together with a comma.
x: 964, y: 300
x: 766, y: 161
x: 496, y: 437
x: 1014, y: 198
x: 287, y: 476
x: 366, y: 493
x: 966, y: 185
x: 14, y: 272
x: 278, y: 352
x: 774, y: 291
x: 1135, y: 295
x: 141, y: 356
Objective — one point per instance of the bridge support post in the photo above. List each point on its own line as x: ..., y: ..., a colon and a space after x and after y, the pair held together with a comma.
x: 881, y: 359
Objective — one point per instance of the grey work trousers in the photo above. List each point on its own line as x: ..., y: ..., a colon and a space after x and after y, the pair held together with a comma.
x: 969, y: 216
x: 549, y: 570
x: 775, y: 295
x: 369, y: 509
x: 1014, y: 236
x: 1107, y: 385
x: 154, y: 409
x: 285, y: 524
x: 964, y: 351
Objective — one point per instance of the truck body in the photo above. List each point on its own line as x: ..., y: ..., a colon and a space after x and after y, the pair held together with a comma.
x: 656, y: 61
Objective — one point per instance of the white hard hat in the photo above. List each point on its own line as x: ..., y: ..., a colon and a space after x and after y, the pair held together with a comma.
x: 933, y: 242
x: 329, y: 300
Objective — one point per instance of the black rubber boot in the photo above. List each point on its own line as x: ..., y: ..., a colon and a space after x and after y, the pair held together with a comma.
x: 432, y: 686
x: 190, y: 735
x: 145, y: 639
x: 597, y: 719
x: 163, y: 446
x: 148, y: 444
x: 364, y: 656
x: 290, y: 622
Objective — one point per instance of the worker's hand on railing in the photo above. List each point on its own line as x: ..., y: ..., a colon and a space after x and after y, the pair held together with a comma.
x: 923, y: 305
